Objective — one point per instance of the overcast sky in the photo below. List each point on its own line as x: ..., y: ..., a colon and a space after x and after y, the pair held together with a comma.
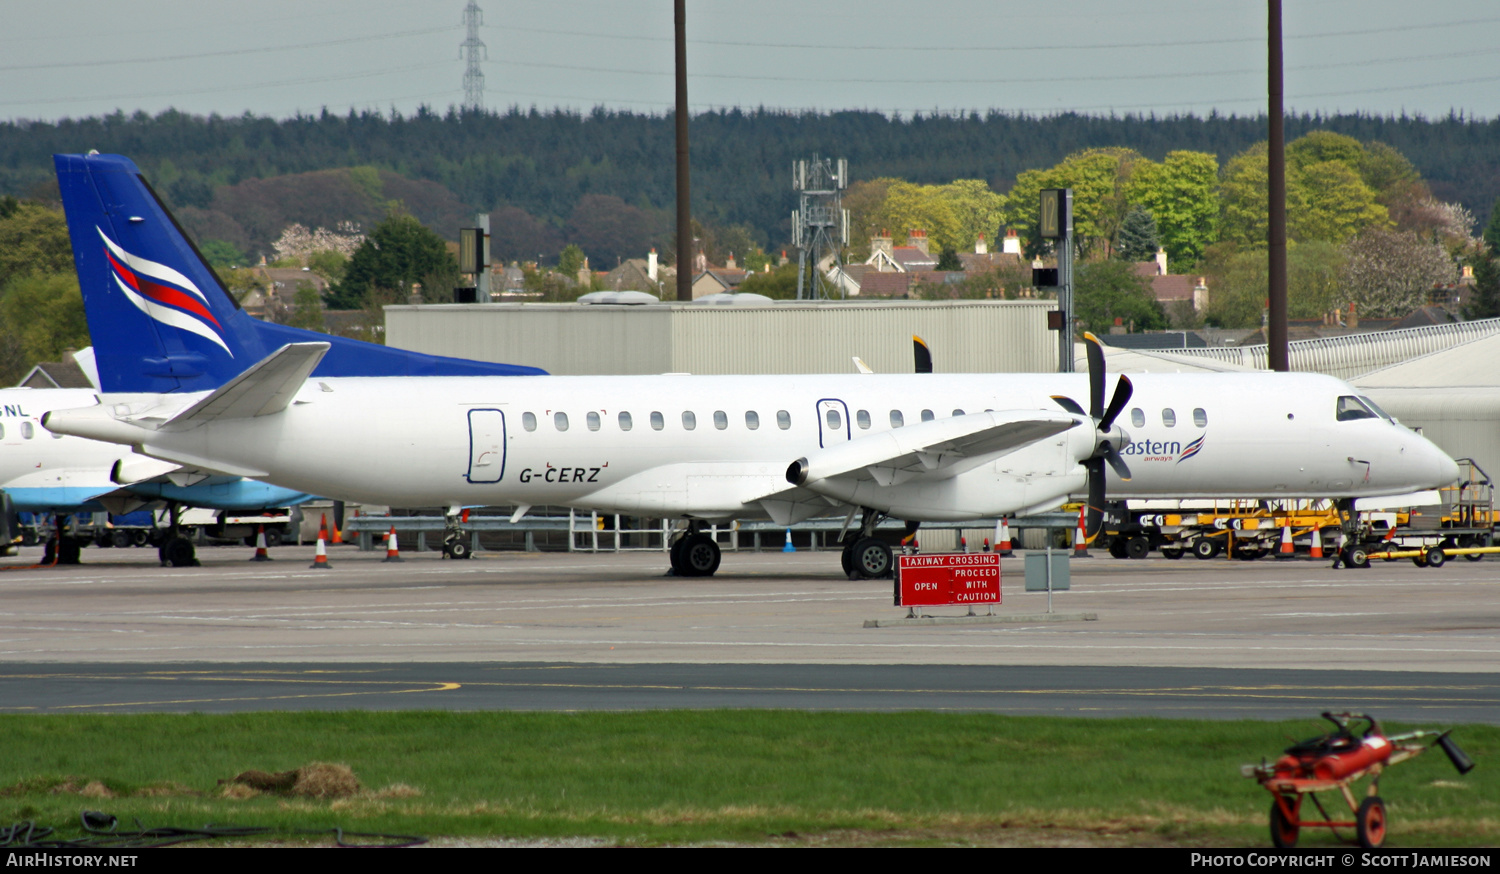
x: 61, y: 58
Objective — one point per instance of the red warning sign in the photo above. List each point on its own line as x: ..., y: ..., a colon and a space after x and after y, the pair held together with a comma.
x: 947, y: 578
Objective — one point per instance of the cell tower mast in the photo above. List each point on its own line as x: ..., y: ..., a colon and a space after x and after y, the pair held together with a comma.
x: 820, y: 227
x: 473, y: 51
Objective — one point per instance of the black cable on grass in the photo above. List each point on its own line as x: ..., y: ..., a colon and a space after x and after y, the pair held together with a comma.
x: 104, y: 834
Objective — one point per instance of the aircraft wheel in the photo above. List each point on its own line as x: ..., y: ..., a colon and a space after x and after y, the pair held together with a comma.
x: 846, y: 558
x: 674, y: 555
x: 1436, y: 557
x: 1369, y: 823
x: 457, y: 549
x: 1138, y: 547
x: 1284, y: 834
x: 179, y: 552
x: 700, y: 556
x: 871, y: 559
x: 1169, y: 552
x: 1356, y: 556
x: 71, y: 547
x: 1206, y: 549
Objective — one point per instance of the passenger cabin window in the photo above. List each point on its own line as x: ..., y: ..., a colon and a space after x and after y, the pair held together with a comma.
x: 721, y: 420
x: 1138, y: 417
x: 1200, y: 417
x: 27, y: 431
x: 927, y: 416
x: 835, y: 421
x: 1169, y: 418
x: 863, y: 419
x: 752, y: 420
x: 560, y: 420
x: 625, y: 423
x: 897, y: 420
x: 958, y: 412
x: 528, y: 421
x: 783, y: 419
x: 657, y: 422
x: 689, y: 421
x: 1351, y: 408
x: 593, y: 421
x: 2, y: 432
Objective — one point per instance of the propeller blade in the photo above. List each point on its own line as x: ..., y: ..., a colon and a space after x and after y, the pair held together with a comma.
x: 1093, y: 520
x: 1123, y: 390
x: 1112, y: 456
x: 922, y: 354
x: 1095, y: 351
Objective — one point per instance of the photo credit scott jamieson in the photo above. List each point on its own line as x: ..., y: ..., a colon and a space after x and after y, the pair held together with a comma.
x: 1336, y: 859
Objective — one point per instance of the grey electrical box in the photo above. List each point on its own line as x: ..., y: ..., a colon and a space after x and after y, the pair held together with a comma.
x: 1036, y: 571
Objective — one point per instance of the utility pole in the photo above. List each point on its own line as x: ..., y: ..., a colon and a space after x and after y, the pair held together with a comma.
x: 1056, y: 223
x: 473, y: 50
x: 684, y: 210
x: 1277, y: 355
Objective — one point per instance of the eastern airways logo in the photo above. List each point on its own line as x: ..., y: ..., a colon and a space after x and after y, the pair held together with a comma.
x: 1163, y: 450
x: 142, y: 282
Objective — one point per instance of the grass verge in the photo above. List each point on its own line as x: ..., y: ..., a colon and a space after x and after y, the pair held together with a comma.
x: 704, y: 776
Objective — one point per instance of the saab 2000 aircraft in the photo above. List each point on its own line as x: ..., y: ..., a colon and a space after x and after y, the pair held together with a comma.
x: 698, y: 447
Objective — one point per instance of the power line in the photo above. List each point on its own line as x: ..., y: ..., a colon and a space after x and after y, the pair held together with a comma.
x: 1031, y: 47
x: 364, y: 74
x: 227, y: 52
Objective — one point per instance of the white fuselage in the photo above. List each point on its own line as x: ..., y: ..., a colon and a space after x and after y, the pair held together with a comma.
x: 471, y: 441
x: 43, y: 470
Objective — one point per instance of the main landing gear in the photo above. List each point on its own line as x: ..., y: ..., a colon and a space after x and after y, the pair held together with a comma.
x: 176, y: 550
x: 694, y: 553
x: 865, y: 556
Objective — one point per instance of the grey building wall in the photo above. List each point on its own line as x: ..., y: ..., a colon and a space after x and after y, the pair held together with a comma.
x: 569, y: 339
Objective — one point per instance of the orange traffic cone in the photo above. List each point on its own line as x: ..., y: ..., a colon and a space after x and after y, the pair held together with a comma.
x: 986, y: 544
x: 392, y: 549
x: 1002, y: 537
x: 320, y: 561
x: 323, y: 527
x: 1080, y: 544
x: 1317, y: 543
x: 337, y: 537
x: 261, y: 554
x: 1288, y: 550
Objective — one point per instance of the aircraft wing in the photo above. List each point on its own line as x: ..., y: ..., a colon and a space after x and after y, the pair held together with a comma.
x: 939, y: 449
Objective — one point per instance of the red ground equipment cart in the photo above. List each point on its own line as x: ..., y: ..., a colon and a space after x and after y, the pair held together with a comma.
x: 1335, y: 762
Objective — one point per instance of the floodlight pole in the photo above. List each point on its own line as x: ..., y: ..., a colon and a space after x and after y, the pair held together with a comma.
x: 1065, y: 286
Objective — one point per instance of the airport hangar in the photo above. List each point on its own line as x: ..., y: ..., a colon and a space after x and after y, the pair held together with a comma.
x: 1443, y: 379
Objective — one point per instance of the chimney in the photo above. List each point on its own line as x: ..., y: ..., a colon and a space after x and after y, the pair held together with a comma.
x: 729, y: 263
x: 782, y: 262
x: 1012, y: 244
x: 585, y: 275
x: 1200, y: 295
x: 918, y: 238
x: 1353, y: 320
x: 979, y: 246
x: 651, y: 265
x: 881, y: 243
x: 1161, y: 261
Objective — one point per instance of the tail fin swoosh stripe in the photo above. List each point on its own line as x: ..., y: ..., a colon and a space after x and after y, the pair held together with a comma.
x: 151, y: 268
x: 168, y: 316
x: 161, y: 293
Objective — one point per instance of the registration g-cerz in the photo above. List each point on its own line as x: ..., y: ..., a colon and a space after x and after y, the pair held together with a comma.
x: 562, y: 474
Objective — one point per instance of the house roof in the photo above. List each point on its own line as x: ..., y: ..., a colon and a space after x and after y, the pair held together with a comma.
x: 885, y: 284
x: 911, y: 258
x: 56, y: 374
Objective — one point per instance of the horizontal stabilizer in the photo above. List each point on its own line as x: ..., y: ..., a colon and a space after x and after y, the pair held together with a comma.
x: 264, y: 388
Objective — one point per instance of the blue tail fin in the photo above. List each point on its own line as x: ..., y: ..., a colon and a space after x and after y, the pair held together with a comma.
x: 160, y: 319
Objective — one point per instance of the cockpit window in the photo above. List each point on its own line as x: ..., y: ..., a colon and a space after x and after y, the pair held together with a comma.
x: 1376, y: 407
x: 1351, y: 408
